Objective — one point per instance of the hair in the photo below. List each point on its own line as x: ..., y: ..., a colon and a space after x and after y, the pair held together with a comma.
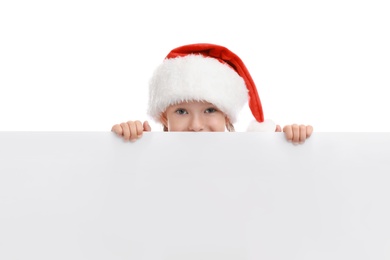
x: 230, y: 127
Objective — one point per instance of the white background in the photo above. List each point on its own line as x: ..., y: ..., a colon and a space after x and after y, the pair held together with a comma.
x: 84, y: 65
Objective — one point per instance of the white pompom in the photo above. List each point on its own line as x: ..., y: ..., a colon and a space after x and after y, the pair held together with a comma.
x: 266, y: 126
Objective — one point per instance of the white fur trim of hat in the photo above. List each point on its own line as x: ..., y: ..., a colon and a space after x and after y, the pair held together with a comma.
x: 196, y: 78
x: 265, y: 126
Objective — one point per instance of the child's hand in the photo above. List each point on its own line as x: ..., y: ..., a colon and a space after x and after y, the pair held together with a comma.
x: 296, y: 133
x: 131, y: 130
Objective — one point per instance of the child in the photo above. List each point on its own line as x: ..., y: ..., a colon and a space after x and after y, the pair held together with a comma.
x: 202, y: 87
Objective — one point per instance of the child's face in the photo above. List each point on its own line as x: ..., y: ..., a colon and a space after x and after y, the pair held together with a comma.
x: 194, y: 116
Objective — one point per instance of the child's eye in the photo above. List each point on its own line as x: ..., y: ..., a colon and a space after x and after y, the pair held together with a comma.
x: 181, y: 111
x: 210, y: 110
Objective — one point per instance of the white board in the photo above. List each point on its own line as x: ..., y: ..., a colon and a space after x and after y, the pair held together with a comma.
x: 89, y: 195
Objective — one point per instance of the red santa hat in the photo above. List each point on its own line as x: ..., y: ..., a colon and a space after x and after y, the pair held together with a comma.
x: 206, y: 72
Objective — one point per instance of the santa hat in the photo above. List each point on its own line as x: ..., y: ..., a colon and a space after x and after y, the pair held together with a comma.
x: 206, y: 72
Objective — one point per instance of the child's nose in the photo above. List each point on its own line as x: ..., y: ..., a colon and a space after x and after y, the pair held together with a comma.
x: 196, y: 124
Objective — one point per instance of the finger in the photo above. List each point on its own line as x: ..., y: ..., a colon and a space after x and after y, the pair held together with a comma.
x: 302, y: 133
x: 309, y: 131
x: 133, y: 131
x: 125, y: 131
x: 139, y: 128
x: 295, y: 133
x: 278, y: 128
x: 117, y: 129
x: 147, y: 127
x: 288, y: 132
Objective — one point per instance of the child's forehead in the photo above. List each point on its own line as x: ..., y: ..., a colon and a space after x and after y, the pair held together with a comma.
x: 189, y: 103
